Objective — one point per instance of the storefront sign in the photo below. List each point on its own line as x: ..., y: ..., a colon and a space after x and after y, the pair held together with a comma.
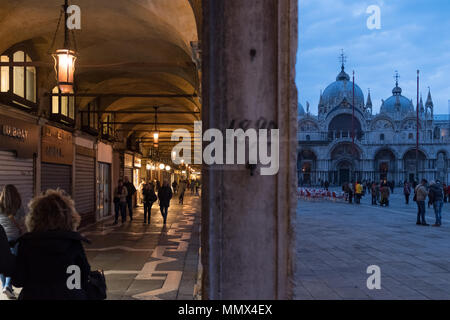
x: 85, y: 151
x: 57, y: 146
x: 137, y: 162
x: 19, y: 136
x: 128, y: 160
x: 104, y: 153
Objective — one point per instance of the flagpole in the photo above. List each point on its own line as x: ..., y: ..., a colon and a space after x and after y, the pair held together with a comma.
x: 417, y: 128
x: 353, y: 115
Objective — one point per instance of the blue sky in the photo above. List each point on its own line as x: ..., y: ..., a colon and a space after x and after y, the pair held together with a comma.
x: 414, y: 34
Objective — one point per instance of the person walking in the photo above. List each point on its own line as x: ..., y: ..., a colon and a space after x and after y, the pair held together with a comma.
x: 174, y: 187
x: 197, y: 187
x: 448, y: 193
x: 164, y: 196
x: 406, y: 191
x: 182, y: 190
x: 149, y: 196
x: 384, y: 195
x: 120, y: 202
x: 131, y: 190
x: 50, y: 248
x: 437, y: 192
x: 350, y: 193
x: 327, y: 185
x: 373, y: 191
x: 358, y: 192
x: 8, y: 260
x: 421, y: 194
x: 11, y: 219
x: 444, y: 189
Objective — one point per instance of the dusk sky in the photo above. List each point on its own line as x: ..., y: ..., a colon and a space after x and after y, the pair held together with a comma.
x: 414, y: 34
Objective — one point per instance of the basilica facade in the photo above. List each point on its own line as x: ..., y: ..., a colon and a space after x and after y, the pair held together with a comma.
x: 337, y: 147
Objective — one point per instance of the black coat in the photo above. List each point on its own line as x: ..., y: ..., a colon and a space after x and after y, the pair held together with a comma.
x: 164, y: 195
x: 130, y: 188
x: 7, y: 259
x: 149, y: 195
x: 42, y: 262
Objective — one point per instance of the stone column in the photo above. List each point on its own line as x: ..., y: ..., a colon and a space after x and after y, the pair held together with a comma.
x: 249, y: 55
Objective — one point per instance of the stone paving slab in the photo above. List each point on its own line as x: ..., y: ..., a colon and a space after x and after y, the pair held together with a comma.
x: 336, y: 242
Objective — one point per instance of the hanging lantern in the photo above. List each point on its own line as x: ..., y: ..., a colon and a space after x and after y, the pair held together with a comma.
x: 156, y: 139
x: 156, y: 131
x: 65, y: 68
x: 162, y: 166
x: 65, y: 57
x: 167, y: 168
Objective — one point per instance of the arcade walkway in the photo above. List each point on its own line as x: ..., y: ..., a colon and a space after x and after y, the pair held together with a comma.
x: 149, y: 262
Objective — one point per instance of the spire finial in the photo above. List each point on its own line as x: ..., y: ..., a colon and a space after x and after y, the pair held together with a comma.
x: 396, y: 77
x: 342, y: 59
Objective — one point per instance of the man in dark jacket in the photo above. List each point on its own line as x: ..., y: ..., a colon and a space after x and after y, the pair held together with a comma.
x: 131, y: 191
x: 7, y: 259
x: 164, y: 195
x: 436, y: 193
x: 149, y: 197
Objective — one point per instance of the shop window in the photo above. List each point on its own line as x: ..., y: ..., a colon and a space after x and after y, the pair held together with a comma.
x: 107, y: 128
x: 18, y: 79
x: 89, y: 118
x: 63, y: 107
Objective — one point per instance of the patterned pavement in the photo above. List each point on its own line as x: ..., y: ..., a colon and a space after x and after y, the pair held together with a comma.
x: 336, y: 242
x: 150, y: 262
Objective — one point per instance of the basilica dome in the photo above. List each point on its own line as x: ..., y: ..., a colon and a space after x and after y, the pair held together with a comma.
x: 342, y: 90
x: 397, y: 103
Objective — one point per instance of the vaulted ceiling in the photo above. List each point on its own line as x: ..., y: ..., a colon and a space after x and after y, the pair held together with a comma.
x: 125, y: 47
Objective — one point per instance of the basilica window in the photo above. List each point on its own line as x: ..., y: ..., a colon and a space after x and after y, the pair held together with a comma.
x: 308, y: 138
x: 63, y: 107
x: 382, y: 137
x: 18, y: 79
x: 410, y: 136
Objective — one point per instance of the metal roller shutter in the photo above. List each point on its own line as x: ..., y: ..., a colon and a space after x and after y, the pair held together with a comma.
x: 55, y: 176
x: 20, y: 173
x: 84, y: 194
x: 128, y: 172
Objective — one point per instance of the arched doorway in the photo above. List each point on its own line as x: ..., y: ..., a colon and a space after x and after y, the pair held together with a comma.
x: 411, y: 165
x: 306, y: 166
x: 345, y: 161
x: 384, y: 165
x: 344, y: 170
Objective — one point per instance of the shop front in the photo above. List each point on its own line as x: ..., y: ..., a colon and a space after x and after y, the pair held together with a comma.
x: 128, y: 166
x: 84, y: 186
x: 104, y: 182
x: 19, y: 141
x: 137, y: 164
x: 57, y: 159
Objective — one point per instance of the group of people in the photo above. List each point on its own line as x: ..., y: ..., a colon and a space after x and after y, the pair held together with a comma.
x: 353, y: 190
x: 149, y: 192
x: 37, y: 248
x: 436, y: 193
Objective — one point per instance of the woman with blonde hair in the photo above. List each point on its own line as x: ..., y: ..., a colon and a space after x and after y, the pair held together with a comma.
x: 11, y: 216
x: 52, y: 251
